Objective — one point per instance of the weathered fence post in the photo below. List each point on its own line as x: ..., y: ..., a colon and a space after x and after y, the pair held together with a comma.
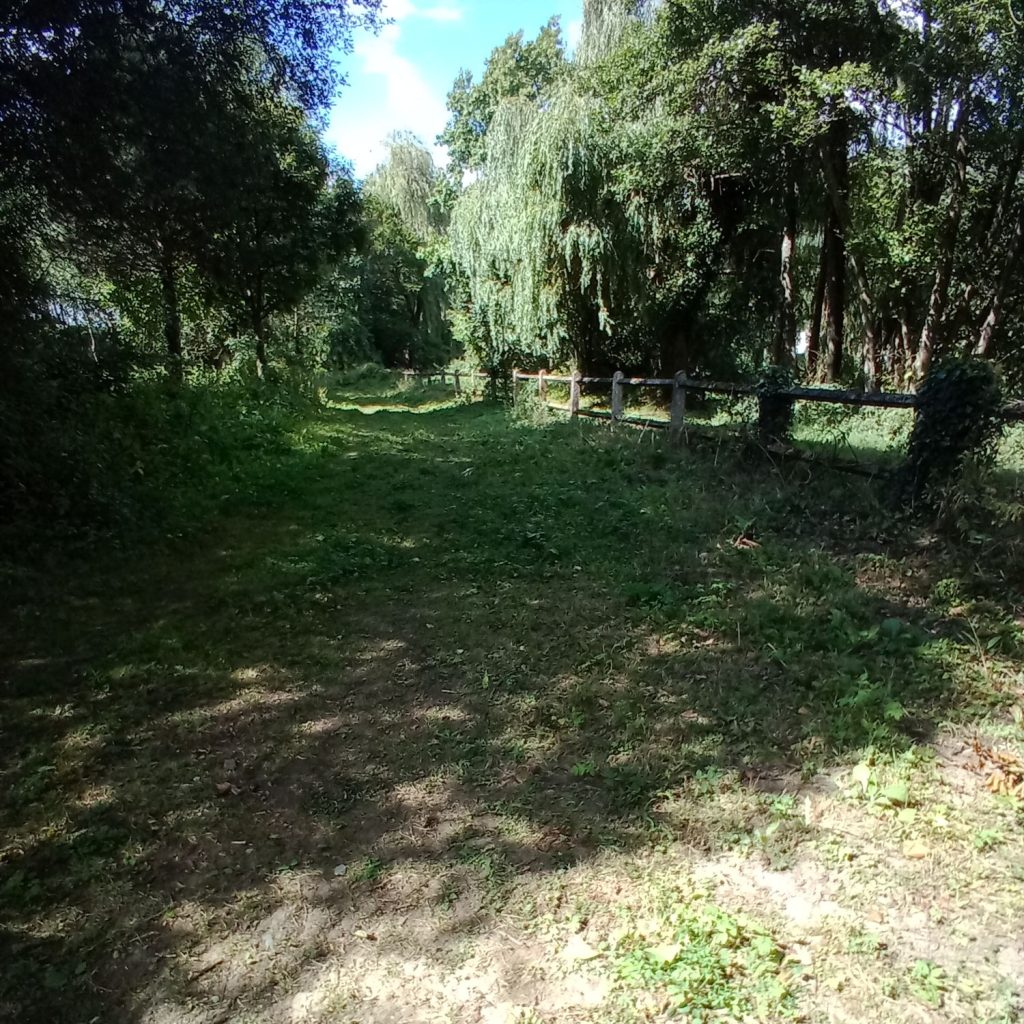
x: 443, y: 381
x: 515, y: 377
x: 574, y: 394
x: 678, y: 407
x: 775, y: 408
x: 617, y: 379
x: 458, y: 384
x: 542, y: 385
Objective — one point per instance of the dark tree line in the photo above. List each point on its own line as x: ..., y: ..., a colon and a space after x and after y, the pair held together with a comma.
x: 717, y: 185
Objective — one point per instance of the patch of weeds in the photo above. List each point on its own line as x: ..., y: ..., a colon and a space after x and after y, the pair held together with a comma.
x: 20, y: 889
x: 864, y: 943
x: 334, y: 801
x: 779, y: 841
x: 449, y: 894
x: 887, y: 789
x: 629, y: 787
x: 928, y: 982
x: 659, y: 599
x: 517, y: 752
x: 34, y: 784
x: 369, y: 869
x: 988, y: 839
x: 705, y: 964
x: 583, y: 769
x: 709, y: 781
x: 491, y: 868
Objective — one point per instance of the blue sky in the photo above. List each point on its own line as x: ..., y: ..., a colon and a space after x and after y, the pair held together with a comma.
x: 398, y: 79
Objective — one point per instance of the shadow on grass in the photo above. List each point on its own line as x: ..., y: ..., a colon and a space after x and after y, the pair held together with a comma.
x: 430, y: 637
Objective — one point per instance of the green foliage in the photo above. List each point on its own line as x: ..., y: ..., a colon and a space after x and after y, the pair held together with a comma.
x: 404, y: 287
x: 528, y: 409
x: 958, y: 417
x: 774, y: 410
x: 707, y: 963
x: 135, y: 451
x: 928, y: 982
x: 633, y: 216
x: 516, y: 69
x: 609, y: 684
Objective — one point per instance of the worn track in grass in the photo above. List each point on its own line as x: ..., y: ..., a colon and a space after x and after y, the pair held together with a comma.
x: 449, y: 718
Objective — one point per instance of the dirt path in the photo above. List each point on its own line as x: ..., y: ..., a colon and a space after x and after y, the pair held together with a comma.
x: 455, y: 721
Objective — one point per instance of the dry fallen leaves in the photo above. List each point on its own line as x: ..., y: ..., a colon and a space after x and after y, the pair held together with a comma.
x: 915, y: 849
x: 1003, y: 771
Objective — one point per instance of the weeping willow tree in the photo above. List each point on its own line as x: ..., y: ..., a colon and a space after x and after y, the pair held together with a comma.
x: 407, y: 180
x: 547, y: 252
x: 607, y: 22
x: 407, y: 245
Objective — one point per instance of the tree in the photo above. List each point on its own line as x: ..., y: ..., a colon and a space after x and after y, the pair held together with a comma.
x: 110, y: 111
x: 285, y: 220
x: 406, y: 261
x: 707, y: 181
x: 514, y: 70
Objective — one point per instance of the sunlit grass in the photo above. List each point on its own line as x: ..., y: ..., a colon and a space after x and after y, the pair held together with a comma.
x: 440, y: 642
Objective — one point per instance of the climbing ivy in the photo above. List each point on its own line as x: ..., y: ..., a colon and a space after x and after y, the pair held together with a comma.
x: 774, y: 409
x: 959, y: 416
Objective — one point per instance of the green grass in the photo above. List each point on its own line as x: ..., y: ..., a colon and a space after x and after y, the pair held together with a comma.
x: 454, y: 649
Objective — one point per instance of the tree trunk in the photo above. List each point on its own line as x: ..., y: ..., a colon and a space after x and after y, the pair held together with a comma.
x: 172, y: 311
x: 785, y: 338
x: 835, y: 165
x: 907, y: 351
x: 988, y: 329
x: 872, y: 357
x: 930, y: 333
x: 258, y: 316
x: 834, y: 260
x: 817, y: 308
x: 259, y: 331
x: 997, y: 212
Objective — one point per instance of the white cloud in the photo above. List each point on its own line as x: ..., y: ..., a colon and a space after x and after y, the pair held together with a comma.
x: 573, y: 31
x: 402, y: 99
x: 440, y: 13
x: 400, y: 10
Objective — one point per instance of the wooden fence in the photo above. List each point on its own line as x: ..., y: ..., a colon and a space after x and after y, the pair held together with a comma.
x: 444, y: 376
x: 682, y: 385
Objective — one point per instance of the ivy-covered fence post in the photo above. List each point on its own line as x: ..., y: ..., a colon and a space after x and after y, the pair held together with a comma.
x: 617, y: 403
x: 959, y: 415
x: 774, y: 408
x: 574, y: 394
x: 678, y: 407
x: 493, y: 389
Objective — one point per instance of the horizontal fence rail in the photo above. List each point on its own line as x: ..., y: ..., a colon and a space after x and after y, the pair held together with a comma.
x: 682, y: 385
x: 456, y: 376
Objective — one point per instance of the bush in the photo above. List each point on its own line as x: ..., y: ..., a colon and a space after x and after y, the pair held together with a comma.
x: 774, y: 410
x: 959, y: 419
x: 528, y: 409
x: 84, y: 449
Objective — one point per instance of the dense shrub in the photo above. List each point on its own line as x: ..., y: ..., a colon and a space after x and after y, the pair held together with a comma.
x: 958, y: 419
x: 774, y: 410
x: 86, y: 444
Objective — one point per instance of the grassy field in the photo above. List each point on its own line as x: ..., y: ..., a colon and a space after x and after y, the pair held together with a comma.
x: 451, y: 716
